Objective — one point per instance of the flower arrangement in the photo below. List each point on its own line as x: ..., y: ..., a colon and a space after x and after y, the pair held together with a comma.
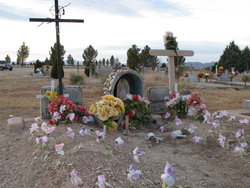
x: 177, y: 105
x: 137, y: 108
x: 107, y: 109
x: 221, y: 68
x: 200, y: 75
x: 194, y: 99
x: 51, y: 95
x: 185, y: 74
x: 65, y: 111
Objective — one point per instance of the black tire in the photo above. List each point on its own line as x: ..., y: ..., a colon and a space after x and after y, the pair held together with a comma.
x: 1, y: 68
x: 10, y: 69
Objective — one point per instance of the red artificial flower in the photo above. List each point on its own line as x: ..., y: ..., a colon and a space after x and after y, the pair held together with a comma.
x: 194, y: 99
x: 71, y: 106
x: 173, y: 95
x: 51, y: 122
x: 83, y: 109
x: 75, y: 118
x: 131, y: 113
x: 135, y: 98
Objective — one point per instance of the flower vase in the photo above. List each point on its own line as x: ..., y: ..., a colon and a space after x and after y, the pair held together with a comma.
x: 104, y: 131
x: 126, y: 132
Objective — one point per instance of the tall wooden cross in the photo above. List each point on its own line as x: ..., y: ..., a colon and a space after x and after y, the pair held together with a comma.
x: 57, y: 20
x: 171, y: 67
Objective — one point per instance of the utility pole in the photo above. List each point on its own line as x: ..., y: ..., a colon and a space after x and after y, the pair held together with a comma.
x: 57, y: 20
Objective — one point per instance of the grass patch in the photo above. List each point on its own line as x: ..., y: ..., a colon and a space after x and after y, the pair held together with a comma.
x: 76, y: 79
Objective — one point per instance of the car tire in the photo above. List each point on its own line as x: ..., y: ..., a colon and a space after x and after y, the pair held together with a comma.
x: 1, y: 68
x: 10, y: 69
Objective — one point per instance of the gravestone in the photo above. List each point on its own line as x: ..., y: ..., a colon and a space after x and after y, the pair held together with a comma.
x: 122, y: 82
x: 192, y: 78
x: 225, y: 78
x: 157, y: 96
x: 74, y: 94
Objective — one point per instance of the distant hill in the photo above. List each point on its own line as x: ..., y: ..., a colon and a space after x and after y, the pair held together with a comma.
x: 199, y: 65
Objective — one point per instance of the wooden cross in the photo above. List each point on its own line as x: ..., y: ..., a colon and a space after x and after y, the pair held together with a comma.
x: 171, y: 67
x: 57, y: 20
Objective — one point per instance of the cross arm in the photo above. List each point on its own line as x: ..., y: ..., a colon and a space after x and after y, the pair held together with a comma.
x: 54, y: 20
x: 171, y: 52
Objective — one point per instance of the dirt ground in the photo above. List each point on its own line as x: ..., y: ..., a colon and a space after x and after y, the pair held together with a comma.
x: 25, y: 164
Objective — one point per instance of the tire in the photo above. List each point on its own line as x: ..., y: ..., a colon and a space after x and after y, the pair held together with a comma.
x: 1, y: 68
x: 10, y: 69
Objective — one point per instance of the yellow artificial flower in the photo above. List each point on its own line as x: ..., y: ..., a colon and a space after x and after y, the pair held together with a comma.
x: 112, y: 126
x: 109, y: 97
x: 92, y: 108
x: 105, y: 101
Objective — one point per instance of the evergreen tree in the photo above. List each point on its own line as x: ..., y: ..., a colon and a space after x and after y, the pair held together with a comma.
x: 107, y: 62
x: 245, y: 58
x: 7, y: 58
x: 112, y: 61
x: 47, y: 61
x: 70, y: 60
x: 231, y: 58
x: 133, y: 58
x: 148, y: 60
x: 23, y: 53
x: 89, y: 55
x: 53, y: 60
x: 103, y: 62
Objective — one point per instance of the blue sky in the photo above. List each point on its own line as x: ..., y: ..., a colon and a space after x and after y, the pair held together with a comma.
x: 112, y: 26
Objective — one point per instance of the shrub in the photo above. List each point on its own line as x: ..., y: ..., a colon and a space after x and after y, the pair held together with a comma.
x: 75, y: 79
x: 245, y: 79
x: 37, y: 65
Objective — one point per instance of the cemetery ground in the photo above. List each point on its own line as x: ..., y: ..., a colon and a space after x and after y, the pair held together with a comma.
x: 206, y: 164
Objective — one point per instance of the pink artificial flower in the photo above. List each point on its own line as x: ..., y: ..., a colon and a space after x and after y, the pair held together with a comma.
x: 34, y: 128
x: 167, y: 115
x: 191, y: 128
x: 43, y: 139
x: 100, y: 136
x: 44, y: 126
x: 57, y: 115
x: 191, y: 111
x: 70, y: 132
x: 49, y: 130
x: 75, y: 180
x: 59, y: 148
x: 62, y: 108
x: 102, y: 182
x: 196, y: 139
x: 38, y: 119
x: 222, y: 140
x: 239, y: 133
x: 203, y: 107
x: 146, y: 101
x: 244, y: 121
x: 71, y: 116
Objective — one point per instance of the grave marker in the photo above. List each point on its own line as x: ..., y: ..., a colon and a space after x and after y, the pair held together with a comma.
x: 171, y: 67
x: 225, y: 78
x: 192, y: 78
x: 157, y: 97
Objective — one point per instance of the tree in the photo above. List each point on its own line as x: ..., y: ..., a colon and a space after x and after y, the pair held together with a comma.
x: 7, y: 58
x: 245, y: 58
x: 231, y: 58
x: 133, y: 58
x: 70, y: 60
x: 53, y: 59
x: 148, y: 60
x: 47, y: 61
x: 37, y: 65
x: 103, y: 62
x: 23, y: 53
x: 107, y: 62
x: 89, y: 55
x: 112, y: 61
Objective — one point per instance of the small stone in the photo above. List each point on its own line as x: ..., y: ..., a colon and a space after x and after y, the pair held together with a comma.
x: 15, y: 124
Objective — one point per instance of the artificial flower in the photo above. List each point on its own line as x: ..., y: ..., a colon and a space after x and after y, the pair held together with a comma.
x: 232, y: 118
x: 162, y: 128
x: 167, y: 115
x: 194, y: 99
x: 168, y: 176
x: 75, y: 180
x: 100, y: 136
x: 70, y: 132
x: 222, y: 140
x: 133, y: 174
x: 59, y: 148
x: 44, y: 126
x: 38, y: 119
x: 102, y: 182
x: 84, y: 131
x: 241, y: 147
x: 244, y: 121
x: 86, y: 119
x: 191, y: 111
x: 239, y: 133
x: 196, y: 139
x: 177, y: 121
x: 49, y: 130
x: 191, y: 128
x: 119, y: 141
x: 137, y: 152
x: 34, y: 128
x: 57, y: 116
x: 71, y: 116
x: 62, y: 108
x: 43, y: 139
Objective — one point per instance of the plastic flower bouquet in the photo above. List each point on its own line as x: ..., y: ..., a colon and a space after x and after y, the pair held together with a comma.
x: 137, y: 108
x: 65, y: 111
x: 107, y: 110
x: 51, y: 95
x: 200, y: 75
x: 185, y: 74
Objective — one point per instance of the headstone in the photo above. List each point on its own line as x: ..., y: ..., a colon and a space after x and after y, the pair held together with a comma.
x: 192, y: 78
x: 246, y: 104
x: 74, y: 94
x: 15, y: 124
x: 122, y: 82
x: 225, y: 78
x: 157, y: 97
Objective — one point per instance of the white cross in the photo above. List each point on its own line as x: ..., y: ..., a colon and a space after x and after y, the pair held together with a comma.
x: 171, y: 67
